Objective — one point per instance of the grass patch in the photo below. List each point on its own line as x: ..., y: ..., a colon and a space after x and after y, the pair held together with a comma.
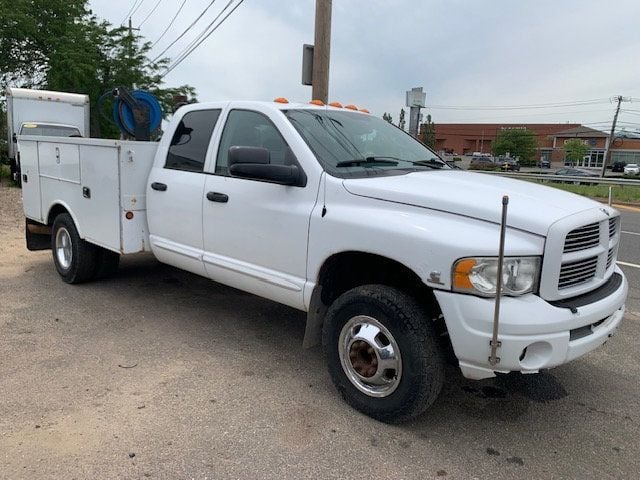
x: 620, y: 193
x: 5, y: 175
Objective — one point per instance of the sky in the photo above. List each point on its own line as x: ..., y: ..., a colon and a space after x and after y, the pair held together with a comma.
x: 473, y: 55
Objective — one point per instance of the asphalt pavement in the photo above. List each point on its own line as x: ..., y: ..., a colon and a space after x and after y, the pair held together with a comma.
x: 158, y: 373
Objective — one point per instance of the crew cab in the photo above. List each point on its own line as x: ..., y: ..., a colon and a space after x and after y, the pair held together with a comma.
x: 335, y: 212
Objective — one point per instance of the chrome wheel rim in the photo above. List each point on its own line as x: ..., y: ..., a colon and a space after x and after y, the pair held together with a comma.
x: 370, y: 356
x: 63, y: 248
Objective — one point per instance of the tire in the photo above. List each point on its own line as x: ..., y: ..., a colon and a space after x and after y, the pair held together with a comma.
x: 415, y: 373
x: 107, y: 263
x: 74, y: 258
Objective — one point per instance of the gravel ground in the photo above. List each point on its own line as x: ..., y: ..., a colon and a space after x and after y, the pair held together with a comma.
x: 157, y: 373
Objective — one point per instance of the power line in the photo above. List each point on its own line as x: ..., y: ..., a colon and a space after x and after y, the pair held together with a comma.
x: 150, y: 13
x: 521, y: 107
x: 132, y: 10
x: 186, y: 54
x: 170, y: 23
x: 201, y: 34
x: 185, y: 31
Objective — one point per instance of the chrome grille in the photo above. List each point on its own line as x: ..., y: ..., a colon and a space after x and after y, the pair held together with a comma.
x: 575, y: 273
x: 582, y: 238
x: 613, y: 226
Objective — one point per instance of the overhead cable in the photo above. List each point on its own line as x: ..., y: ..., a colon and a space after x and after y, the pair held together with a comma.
x: 150, y: 13
x: 186, y: 54
x: 184, y: 32
x: 170, y: 24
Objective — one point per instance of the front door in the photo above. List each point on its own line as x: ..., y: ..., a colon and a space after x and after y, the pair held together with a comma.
x: 256, y: 233
x: 175, y: 193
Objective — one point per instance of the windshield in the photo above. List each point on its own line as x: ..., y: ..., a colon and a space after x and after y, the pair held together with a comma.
x: 353, y: 144
x: 49, y: 130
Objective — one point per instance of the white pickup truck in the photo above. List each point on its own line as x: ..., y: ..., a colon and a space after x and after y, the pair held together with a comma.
x: 339, y: 214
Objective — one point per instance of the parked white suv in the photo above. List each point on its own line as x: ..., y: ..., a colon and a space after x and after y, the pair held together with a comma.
x: 632, y: 169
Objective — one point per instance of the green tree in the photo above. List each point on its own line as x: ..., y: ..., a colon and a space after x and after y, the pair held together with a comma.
x: 575, y: 150
x: 68, y: 49
x: 387, y: 116
x: 428, y: 133
x: 517, y: 142
x: 401, y: 120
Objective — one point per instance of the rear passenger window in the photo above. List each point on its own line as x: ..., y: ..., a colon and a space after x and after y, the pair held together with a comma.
x: 245, y: 128
x: 191, y: 140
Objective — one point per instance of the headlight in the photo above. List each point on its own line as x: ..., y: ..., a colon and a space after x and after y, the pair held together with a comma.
x: 479, y: 275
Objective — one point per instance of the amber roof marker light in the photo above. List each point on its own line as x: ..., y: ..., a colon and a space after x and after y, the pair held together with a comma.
x: 281, y: 100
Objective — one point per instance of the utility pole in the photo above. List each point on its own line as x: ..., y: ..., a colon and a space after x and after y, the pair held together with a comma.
x: 131, y: 29
x: 321, y: 50
x: 607, y: 152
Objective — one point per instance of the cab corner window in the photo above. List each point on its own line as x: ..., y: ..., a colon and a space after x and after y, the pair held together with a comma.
x: 190, y: 141
x: 245, y: 128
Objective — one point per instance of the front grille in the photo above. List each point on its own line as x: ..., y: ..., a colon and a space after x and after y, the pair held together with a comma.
x: 575, y: 273
x: 610, y: 257
x: 583, y: 238
x: 580, y: 256
x: 613, y: 226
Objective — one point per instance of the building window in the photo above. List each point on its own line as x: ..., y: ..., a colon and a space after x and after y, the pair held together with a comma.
x: 593, y: 159
x: 628, y: 157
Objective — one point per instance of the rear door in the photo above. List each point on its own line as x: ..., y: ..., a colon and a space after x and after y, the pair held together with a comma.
x: 255, y: 232
x: 175, y: 191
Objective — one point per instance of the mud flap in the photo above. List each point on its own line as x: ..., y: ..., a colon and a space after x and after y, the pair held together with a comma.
x: 38, y: 236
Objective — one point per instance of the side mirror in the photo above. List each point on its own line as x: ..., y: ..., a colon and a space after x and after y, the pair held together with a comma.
x: 244, y: 155
x: 253, y: 163
x: 14, y: 137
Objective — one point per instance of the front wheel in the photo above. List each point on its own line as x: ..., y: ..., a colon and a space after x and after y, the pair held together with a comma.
x: 74, y: 258
x: 382, y: 353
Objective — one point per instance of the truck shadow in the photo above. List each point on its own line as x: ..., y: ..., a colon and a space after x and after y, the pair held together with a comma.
x: 277, y: 331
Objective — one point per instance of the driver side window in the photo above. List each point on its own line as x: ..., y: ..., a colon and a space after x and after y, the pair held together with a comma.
x: 245, y: 128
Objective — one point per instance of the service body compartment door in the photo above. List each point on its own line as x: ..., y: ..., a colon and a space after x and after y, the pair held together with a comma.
x: 31, y: 180
x: 60, y: 161
x: 96, y: 202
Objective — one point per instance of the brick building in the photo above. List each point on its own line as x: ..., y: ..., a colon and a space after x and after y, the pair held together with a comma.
x: 466, y: 138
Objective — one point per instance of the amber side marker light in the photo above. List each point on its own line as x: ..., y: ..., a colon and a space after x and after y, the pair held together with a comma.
x: 317, y: 102
x: 351, y: 107
x: 128, y: 215
x: 461, y: 274
x: 335, y: 104
x: 281, y: 100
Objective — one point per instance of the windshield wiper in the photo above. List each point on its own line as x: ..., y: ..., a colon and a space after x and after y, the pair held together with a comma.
x: 431, y: 163
x: 382, y: 161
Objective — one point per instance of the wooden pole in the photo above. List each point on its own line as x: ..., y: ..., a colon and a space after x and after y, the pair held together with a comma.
x: 321, y: 50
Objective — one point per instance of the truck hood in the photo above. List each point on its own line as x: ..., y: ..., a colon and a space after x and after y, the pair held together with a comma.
x: 532, y: 207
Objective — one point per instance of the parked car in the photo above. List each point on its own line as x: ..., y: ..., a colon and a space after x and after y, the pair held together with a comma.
x: 544, y: 164
x: 618, y: 166
x: 575, y: 172
x: 509, y: 164
x: 482, y: 163
x: 632, y: 169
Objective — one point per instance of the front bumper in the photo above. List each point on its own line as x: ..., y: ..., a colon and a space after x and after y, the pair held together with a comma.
x: 533, y: 333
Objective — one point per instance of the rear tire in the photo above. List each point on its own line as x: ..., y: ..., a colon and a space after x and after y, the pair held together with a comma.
x: 383, y: 353
x: 74, y: 258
